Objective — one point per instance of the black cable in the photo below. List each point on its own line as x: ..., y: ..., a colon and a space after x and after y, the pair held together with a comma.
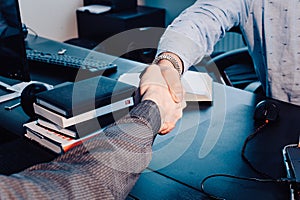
x: 267, y: 179
x: 249, y: 138
x: 282, y: 180
x: 33, y: 31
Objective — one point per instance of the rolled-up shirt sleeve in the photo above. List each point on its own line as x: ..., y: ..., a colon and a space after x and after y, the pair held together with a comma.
x: 193, y: 34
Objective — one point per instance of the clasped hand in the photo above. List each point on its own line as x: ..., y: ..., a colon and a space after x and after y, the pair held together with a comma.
x: 162, y: 85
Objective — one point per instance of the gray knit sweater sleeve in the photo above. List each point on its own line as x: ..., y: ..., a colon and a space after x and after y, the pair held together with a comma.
x: 105, y: 167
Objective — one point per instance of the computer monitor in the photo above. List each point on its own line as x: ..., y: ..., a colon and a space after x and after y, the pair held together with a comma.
x: 13, y: 63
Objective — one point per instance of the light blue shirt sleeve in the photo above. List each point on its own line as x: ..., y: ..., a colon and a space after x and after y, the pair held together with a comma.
x: 193, y: 34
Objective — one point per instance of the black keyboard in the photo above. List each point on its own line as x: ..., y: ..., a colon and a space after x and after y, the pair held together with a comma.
x: 92, y: 65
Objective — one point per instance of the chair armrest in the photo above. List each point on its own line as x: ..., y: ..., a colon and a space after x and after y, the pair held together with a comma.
x: 220, y: 63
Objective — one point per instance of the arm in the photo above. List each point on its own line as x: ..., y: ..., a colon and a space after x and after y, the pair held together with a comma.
x: 106, y: 167
x: 190, y: 37
x: 193, y: 34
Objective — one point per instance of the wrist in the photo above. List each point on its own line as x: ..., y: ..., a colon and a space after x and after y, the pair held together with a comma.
x: 148, y: 110
x: 169, y: 59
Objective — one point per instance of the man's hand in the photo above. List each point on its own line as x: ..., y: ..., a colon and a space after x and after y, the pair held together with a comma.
x: 154, y: 86
x: 173, y: 81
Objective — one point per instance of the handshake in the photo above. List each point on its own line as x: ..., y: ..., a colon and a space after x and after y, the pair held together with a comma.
x: 162, y: 85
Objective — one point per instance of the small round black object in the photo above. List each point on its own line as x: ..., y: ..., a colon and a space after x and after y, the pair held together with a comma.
x: 266, y: 110
x: 28, y: 97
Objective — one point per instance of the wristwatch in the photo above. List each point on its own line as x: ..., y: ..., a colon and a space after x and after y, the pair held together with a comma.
x: 169, y: 58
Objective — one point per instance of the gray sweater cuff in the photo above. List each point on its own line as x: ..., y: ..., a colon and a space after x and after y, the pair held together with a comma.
x: 148, y: 111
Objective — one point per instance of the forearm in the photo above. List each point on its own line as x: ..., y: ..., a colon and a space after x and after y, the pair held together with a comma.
x: 193, y: 34
x: 105, y: 167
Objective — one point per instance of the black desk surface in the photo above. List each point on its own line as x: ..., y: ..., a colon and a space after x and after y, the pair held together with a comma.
x: 207, y: 140
x: 210, y: 142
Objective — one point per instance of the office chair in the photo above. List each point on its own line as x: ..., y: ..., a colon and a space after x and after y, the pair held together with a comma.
x: 235, y: 68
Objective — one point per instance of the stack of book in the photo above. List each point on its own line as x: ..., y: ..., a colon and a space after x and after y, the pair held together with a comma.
x: 75, y: 112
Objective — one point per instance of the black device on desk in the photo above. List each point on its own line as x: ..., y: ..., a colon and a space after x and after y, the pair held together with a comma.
x: 12, y: 47
x: 291, y: 155
x: 12, y: 52
x: 99, y: 27
x: 14, y: 66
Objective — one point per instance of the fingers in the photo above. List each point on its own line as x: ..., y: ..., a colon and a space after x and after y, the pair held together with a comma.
x: 174, y: 83
x: 171, y: 118
x: 166, y: 128
x: 159, y: 85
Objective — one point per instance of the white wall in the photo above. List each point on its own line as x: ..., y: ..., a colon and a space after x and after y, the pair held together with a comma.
x: 56, y: 19
x: 53, y: 19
